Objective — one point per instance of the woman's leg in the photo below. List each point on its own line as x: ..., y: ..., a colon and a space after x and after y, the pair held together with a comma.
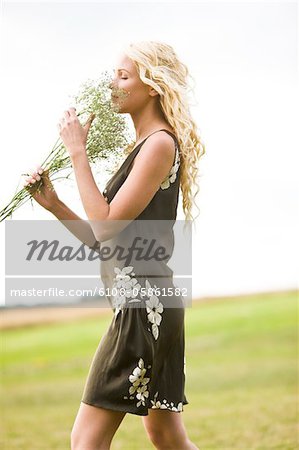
x: 94, y: 427
x: 166, y: 430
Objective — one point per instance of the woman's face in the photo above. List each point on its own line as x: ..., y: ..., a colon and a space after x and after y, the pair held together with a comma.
x: 129, y: 93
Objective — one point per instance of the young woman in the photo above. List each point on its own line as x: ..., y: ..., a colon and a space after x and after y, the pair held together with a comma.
x: 138, y: 367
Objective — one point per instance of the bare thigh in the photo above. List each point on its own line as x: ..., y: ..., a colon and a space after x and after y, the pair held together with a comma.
x: 94, y: 427
x: 166, y: 429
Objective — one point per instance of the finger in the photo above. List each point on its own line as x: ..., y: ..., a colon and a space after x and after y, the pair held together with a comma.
x: 31, y: 180
x: 29, y: 183
x: 89, y: 122
x: 91, y: 117
x: 72, y: 112
x: 45, y: 175
x: 35, y: 175
x: 47, y: 181
x: 39, y: 170
x: 28, y: 180
x: 61, y: 124
x: 66, y: 115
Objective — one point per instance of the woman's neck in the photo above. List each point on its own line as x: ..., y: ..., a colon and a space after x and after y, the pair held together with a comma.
x: 147, y: 121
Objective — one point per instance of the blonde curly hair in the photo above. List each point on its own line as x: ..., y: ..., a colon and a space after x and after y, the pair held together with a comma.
x: 159, y: 67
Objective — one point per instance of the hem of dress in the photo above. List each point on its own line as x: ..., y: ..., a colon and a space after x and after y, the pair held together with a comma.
x: 125, y: 410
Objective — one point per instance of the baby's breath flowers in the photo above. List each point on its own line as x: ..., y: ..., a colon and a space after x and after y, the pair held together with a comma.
x: 107, y: 137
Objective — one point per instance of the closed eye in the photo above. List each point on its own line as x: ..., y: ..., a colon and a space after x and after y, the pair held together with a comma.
x: 121, y: 71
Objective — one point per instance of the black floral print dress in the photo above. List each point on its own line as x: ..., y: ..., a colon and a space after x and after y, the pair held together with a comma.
x: 140, y: 361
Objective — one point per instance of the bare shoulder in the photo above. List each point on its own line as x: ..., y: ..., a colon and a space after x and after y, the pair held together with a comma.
x: 159, y: 148
x: 149, y: 169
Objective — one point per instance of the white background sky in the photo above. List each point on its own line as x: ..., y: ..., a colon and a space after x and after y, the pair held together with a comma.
x: 243, y: 56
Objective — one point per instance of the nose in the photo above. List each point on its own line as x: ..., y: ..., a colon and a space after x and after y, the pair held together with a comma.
x: 112, y: 85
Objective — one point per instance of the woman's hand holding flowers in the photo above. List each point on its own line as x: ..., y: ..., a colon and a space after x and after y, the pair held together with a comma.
x: 45, y: 195
x: 74, y: 137
x: 73, y: 134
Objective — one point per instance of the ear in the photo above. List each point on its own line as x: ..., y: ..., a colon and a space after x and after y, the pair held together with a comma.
x: 152, y: 92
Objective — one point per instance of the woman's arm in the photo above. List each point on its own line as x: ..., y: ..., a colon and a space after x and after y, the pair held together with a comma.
x: 47, y: 197
x: 151, y: 166
x: 77, y: 226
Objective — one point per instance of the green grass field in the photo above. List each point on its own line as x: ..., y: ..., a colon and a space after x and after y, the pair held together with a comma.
x: 241, y: 365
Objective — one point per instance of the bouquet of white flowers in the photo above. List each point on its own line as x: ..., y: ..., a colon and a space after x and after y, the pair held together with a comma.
x: 107, y: 136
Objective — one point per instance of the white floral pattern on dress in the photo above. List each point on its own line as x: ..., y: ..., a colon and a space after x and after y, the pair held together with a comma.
x: 171, y: 177
x: 157, y: 404
x: 127, y: 288
x: 154, y: 309
x: 139, y: 384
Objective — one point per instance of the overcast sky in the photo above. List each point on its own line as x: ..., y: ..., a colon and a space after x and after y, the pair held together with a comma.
x: 243, y: 56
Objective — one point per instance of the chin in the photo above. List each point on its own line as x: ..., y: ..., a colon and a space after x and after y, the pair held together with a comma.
x: 121, y: 110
